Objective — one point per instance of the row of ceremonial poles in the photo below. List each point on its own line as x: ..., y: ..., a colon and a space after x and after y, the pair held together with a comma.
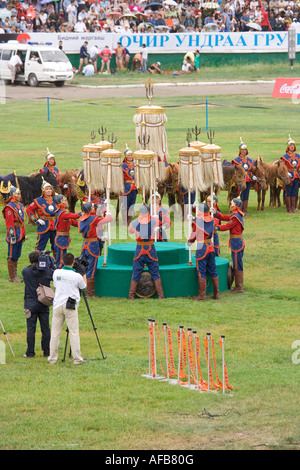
x: 200, y: 166
x: 189, y: 371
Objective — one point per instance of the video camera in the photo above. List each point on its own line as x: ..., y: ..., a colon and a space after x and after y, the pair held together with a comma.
x: 45, y: 261
x: 81, y: 265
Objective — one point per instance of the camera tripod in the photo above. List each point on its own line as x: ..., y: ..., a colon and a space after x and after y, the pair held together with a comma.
x: 4, y: 332
x: 94, y: 328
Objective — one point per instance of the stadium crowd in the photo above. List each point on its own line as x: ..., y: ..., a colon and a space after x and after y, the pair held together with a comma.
x: 133, y: 16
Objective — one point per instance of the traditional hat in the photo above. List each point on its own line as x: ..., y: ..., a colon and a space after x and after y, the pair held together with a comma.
x: 45, y: 185
x: 49, y: 155
x: 87, y: 207
x: 144, y: 209
x: 215, y: 199
x: 13, y: 191
x: 290, y: 141
x: 237, y: 202
x: 242, y: 145
x: 58, y: 198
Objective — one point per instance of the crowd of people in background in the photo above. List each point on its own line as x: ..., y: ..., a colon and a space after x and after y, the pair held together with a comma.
x: 146, y: 16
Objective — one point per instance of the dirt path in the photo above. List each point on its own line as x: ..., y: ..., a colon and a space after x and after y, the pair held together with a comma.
x: 70, y: 92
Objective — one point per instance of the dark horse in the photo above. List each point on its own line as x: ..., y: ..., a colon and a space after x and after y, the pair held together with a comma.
x: 30, y: 186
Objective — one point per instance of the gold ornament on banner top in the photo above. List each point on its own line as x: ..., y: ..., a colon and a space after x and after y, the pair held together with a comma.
x: 111, y: 175
x: 144, y: 163
x: 211, y: 158
x: 91, y: 156
x: 190, y: 167
x: 150, y: 121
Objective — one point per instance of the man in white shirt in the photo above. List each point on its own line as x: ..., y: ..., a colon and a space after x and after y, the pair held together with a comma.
x: 67, y: 283
x: 15, y: 64
x: 80, y: 27
x: 88, y: 70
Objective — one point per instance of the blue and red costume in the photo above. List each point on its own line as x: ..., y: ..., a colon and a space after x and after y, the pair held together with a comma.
x: 164, y: 222
x: 246, y: 162
x: 128, y: 196
x: 235, y: 226
x: 63, y: 222
x: 91, y: 249
x: 14, y: 215
x: 292, y: 162
x: 144, y: 229
x: 145, y: 252
x: 43, y: 208
x: 202, y: 232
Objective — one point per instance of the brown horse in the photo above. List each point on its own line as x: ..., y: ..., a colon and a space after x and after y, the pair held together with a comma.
x: 68, y: 180
x: 260, y: 184
x: 277, y: 175
x: 233, y: 175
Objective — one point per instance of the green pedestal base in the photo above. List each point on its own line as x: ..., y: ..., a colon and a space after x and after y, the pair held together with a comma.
x: 179, y: 279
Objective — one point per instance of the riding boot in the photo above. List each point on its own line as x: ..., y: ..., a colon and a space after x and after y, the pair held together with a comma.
x: 11, y: 271
x: 132, y: 289
x: 288, y: 204
x: 16, y: 272
x: 238, y: 277
x: 245, y: 207
x: 215, y: 282
x: 90, y: 287
x: 202, y: 289
x: 159, y: 288
x: 293, y: 204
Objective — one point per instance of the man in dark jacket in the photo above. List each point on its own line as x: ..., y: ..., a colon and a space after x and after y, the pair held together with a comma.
x: 33, y: 276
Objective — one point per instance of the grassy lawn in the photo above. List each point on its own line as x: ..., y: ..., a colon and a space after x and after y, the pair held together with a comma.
x: 107, y: 404
x: 252, y: 72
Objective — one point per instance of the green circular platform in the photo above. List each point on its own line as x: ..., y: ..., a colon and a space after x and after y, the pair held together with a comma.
x: 179, y: 279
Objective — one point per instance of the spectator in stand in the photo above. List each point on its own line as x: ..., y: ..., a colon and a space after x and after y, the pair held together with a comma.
x: 72, y: 12
x: 245, y: 18
x: 80, y: 27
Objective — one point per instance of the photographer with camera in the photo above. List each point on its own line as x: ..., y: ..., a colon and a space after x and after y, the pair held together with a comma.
x: 39, y: 272
x: 67, y: 282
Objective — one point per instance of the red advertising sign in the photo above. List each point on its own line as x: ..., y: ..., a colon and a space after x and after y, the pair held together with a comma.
x: 286, y: 88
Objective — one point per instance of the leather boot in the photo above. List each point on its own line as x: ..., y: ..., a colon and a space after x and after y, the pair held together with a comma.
x: 238, y: 277
x: 215, y: 282
x: 288, y: 205
x: 12, y: 271
x: 159, y: 288
x: 293, y: 204
x: 90, y: 287
x: 132, y: 289
x: 245, y: 207
x: 202, y: 289
x: 16, y: 272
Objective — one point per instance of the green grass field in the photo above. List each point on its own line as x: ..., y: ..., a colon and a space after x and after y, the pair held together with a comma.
x: 107, y: 404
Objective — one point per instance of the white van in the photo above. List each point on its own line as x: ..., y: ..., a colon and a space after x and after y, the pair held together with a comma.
x: 42, y: 63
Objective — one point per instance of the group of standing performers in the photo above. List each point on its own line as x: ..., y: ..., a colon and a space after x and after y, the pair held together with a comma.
x: 53, y: 220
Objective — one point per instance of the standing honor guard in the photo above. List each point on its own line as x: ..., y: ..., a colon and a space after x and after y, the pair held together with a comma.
x: 144, y: 229
x: 14, y: 216
x: 88, y: 227
x: 163, y: 215
x: 236, y: 243
x: 62, y: 225
x: 246, y: 162
x: 216, y: 240
x: 128, y: 197
x: 202, y: 231
x: 50, y: 164
x: 292, y: 162
x: 42, y: 211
